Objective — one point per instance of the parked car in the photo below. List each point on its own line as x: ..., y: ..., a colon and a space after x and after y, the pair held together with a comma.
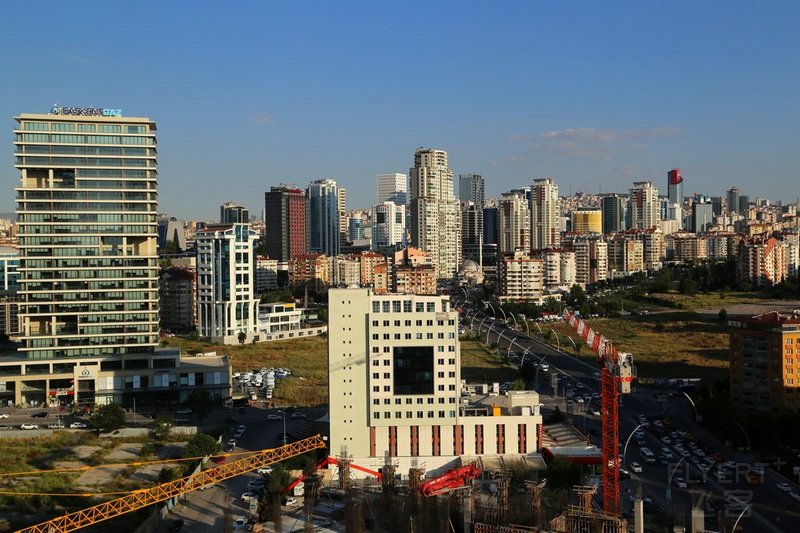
x: 291, y: 502
x: 264, y: 470
x: 57, y: 425
x: 79, y: 425
x: 247, y: 496
x: 3, y: 415
x: 28, y: 426
x: 42, y: 414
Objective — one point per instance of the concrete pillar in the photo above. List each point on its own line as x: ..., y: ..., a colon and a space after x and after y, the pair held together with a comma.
x: 698, y: 520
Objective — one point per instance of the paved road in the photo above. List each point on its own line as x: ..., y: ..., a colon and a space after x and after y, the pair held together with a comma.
x: 205, y: 511
x: 768, y: 508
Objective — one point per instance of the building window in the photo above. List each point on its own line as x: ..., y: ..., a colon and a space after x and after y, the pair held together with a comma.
x: 386, y: 323
x: 385, y: 306
x: 375, y: 336
x: 376, y: 307
x: 387, y: 388
x: 386, y: 375
x: 387, y: 415
x: 409, y: 414
x: 386, y: 362
x: 374, y: 323
x: 397, y: 323
x: 420, y: 307
x: 398, y: 401
x: 406, y: 306
x: 441, y: 414
x: 420, y: 414
x: 408, y: 323
x: 376, y: 401
x: 395, y: 306
x: 430, y: 414
x: 431, y: 307
x: 376, y: 415
x: 440, y: 387
x: 376, y: 388
x: 387, y: 401
x: 375, y: 375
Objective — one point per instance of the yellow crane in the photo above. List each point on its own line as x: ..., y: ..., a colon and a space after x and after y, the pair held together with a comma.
x: 159, y: 493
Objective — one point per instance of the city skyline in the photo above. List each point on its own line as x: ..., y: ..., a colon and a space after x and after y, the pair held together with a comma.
x: 595, y: 98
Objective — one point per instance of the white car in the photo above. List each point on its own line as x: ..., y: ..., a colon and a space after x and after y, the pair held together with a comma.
x: 636, y: 467
x: 79, y: 425
x: 273, y: 417
x: 298, y: 414
x: 29, y: 426
x: 680, y: 482
x: 264, y: 470
x: 3, y: 415
x: 785, y: 487
x: 56, y: 425
x: 291, y: 502
x: 247, y: 496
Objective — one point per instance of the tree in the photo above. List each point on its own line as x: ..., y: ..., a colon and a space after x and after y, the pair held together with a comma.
x: 201, y: 445
x: 108, y: 418
x: 577, y: 296
x: 242, y: 337
x: 201, y: 403
x: 518, y: 384
x: 723, y: 315
x: 161, y: 427
x: 167, y: 474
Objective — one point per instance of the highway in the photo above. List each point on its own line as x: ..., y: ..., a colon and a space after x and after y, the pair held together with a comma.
x: 763, y: 507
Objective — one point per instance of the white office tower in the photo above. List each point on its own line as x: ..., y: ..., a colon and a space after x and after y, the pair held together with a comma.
x: 323, y: 220
x: 388, y: 225
x: 435, y: 214
x: 393, y: 188
x: 514, y: 223
x: 643, y: 207
x: 545, y: 215
x: 394, y: 367
x: 227, y: 303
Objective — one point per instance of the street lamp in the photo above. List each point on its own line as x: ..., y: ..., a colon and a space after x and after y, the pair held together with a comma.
x: 625, y: 448
x: 669, y: 482
x: 515, y: 320
x: 558, y: 341
x: 525, y: 321
x: 487, y: 333
x: 504, y: 313
x: 283, y: 413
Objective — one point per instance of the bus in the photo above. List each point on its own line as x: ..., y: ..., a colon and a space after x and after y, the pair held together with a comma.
x: 647, y: 456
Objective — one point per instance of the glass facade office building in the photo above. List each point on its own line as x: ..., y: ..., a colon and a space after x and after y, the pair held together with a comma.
x: 87, y: 212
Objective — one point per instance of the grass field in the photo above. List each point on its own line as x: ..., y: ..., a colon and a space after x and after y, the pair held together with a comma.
x: 709, y: 300
x: 479, y: 364
x: 664, y: 344
x: 307, y: 359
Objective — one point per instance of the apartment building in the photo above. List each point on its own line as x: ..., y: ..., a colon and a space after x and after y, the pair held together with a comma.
x: 520, y: 278
x: 765, y: 362
x: 761, y: 261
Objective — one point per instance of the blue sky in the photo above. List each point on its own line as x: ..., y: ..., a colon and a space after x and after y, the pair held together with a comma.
x: 253, y: 94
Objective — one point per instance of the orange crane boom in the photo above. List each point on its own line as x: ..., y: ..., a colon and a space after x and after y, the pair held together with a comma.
x: 159, y: 493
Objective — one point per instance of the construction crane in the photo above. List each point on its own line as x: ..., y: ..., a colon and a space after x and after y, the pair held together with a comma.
x: 616, y: 374
x: 458, y: 478
x: 159, y: 493
x: 325, y: 461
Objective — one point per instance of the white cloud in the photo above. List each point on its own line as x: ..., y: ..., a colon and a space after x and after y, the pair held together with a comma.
x: 261, y: 118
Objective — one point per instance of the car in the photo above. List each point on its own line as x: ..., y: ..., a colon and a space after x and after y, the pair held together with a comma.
x: 264, y: 470
x: 42, y: 414
x: 248, y: 495
x: 184, y: 411
x: 785, y: 487
x: 256, y: 484
x: 298, y: 414
x: 28, y: 426
x: 636, y: 468
x: 594, y: 411
x: 57, y: 425
x: 232, y: 442
x: 680, y: 482
x: 291, y: 502
x: 176, y: 525
x: 273, y: 417
x: 239, y: 433
x: 240, y: 523
x: 3, y: 415
x: 228, y: 448
x: 79, y: 425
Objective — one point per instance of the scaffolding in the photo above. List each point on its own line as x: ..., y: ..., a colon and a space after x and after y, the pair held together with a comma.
x: 577, y: 519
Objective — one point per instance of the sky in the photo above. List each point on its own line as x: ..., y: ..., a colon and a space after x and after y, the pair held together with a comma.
x: 249, y: 95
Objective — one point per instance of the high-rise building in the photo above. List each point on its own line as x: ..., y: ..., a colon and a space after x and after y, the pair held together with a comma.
x: 716, y: 205
x: 355, y: 228
x: 471, y: 189
x: 341, y: 195
x: 393, y: 188
x: 471, y: 228
x: 177, y: 299
x: 587, y: 220
x: 170, y: 234
x: 9, y: 268
x: 388, y: 225
x: 613, y: 208
x: 87, y: 235
x: 515, y: 223
x: 323, y: 218
x: 227, y: 303
x: 675, y: 186
x: 744, y: 204
x: 764, y: 367
x: 230, y: 213
x: 702, y: 217
x: 435, y: 213
x: 643, y: 208
x: 732, y: 197
x: 545, y: 213
x: 89, y: 307
x: 286, y: 221
x: 395, y: 387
